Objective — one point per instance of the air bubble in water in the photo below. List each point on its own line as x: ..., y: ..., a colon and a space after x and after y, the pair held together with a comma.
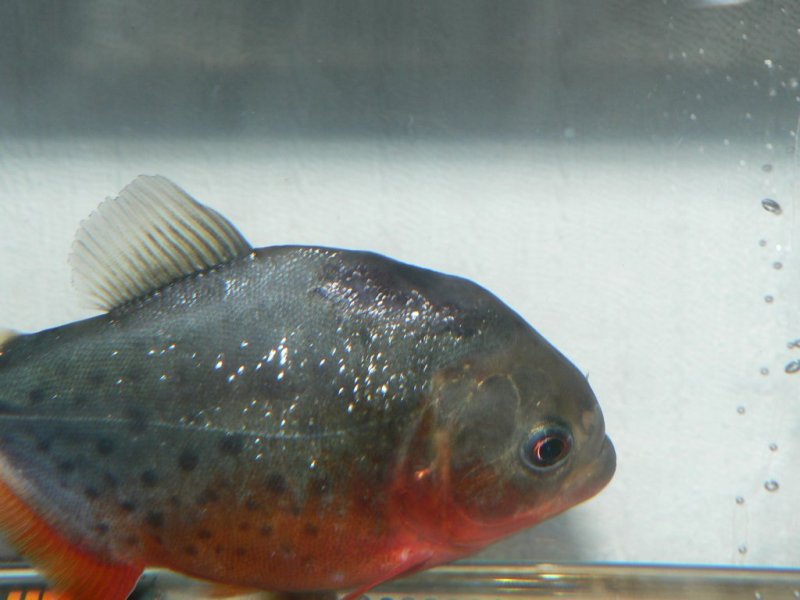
x: 740, y: 410
x: 739, y: 500
x: 757, y: 596
x: 764, y: 371
x: 793, y: 367
x: 742, y: 549
x: 771, y: 485
x: 778, y: 265
x: 762, y: 243
x: 772, y: 206
x: 773, y: 447
x: 769, y: 299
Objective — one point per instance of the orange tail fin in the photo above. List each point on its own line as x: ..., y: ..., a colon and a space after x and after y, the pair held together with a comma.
x: 74, y: 573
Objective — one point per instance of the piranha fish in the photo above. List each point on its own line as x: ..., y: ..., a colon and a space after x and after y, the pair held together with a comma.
x: 287, y: 418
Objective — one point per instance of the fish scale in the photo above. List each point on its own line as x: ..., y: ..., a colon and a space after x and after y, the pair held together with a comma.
x: 293, y: 418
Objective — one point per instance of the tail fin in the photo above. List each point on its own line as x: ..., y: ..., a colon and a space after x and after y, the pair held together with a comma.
x: 76, y: 574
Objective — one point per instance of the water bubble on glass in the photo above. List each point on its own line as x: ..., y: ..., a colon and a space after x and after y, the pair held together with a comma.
x: 793, y: 367
x: 762, y: 243
x: 771, y: 485
x: 773, y: 447
x: 767, y: 168
x: 772, y: 206
x: 742, y: 549
x: 777, y: 265
x: 740, y: 410
x: 793, y: 344
x: 769, y: 299
x: 739, y: 500
x: 764, y: 371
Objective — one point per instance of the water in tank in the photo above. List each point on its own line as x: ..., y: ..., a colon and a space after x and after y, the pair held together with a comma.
x: 624, y: 175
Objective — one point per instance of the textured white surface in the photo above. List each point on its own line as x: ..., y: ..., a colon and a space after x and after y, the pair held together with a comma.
x: 642, y: 263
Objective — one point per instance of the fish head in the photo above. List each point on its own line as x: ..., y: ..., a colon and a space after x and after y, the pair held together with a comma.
x: 512, y: 436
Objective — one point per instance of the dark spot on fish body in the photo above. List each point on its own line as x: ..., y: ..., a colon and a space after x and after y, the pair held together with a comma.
x: 252, y: 504
x: 204, y: 534
x: 133, y: 374
x: 130, y: 540
x: 244, y: 526
x: 128, y: 505
x: 188, y: 460
x: 240, y: 551
x: 9, y: 409
x: 110, y: 479
x: 231, y: 444
x: 175, y: 501
x: 105, y: 446
x: 206, y: 496
x: 311, y: 530
x: 276, y: 483
x: 43, y: 445
x: 149, y: 478
x: 66, y: 466
x: 96, y: 378
x: 155, y: 519
x: 137, y: 420
x: 265, y: 530
x: 92, y: 493
x: 80, y: 400
x: 218, y: 549
x: 319, y: 486
x: 36, y: 396
x: 101, y: 528
x: 191, y: 550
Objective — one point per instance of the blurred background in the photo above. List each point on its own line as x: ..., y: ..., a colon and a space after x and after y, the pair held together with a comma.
x: 623, y: 173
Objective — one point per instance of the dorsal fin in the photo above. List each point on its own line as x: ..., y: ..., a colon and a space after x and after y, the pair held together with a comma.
x: 150, y: 235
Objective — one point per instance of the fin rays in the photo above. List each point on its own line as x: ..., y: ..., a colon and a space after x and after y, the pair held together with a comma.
x: 149, y: 236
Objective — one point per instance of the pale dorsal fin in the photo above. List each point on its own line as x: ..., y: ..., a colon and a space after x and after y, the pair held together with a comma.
x: 150, y: 235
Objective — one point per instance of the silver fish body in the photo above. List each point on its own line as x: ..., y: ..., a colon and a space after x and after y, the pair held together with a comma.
x: 297, y: 418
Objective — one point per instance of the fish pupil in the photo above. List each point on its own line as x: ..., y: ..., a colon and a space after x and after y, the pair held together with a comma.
x: 547, y: 448
x: 550, y: 449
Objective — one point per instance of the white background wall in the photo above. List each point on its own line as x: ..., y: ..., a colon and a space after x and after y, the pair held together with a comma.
x: 640, y: 256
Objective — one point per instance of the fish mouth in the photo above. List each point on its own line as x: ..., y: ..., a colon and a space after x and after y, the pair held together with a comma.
x: 588, y: 481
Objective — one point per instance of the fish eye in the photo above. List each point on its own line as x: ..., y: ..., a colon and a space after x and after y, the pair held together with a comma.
x: 547, y: 447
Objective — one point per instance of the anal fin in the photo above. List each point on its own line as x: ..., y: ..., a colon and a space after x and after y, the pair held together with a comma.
x: 412, y: 564
x: 74, y: 573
